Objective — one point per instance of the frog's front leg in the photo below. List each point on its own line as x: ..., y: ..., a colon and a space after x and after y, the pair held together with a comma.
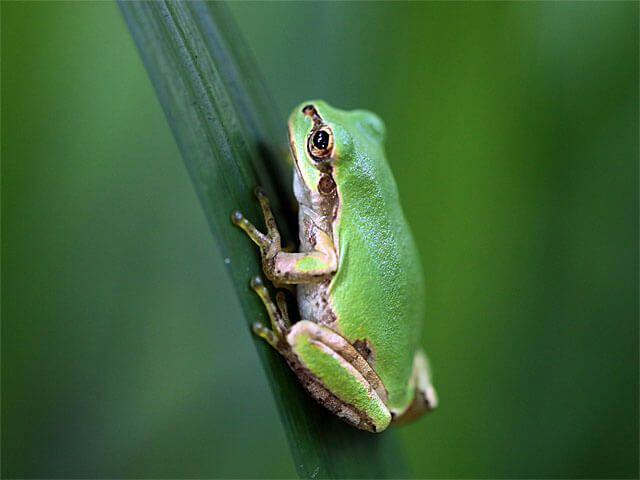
x: 328, y: 366
x: 286, y: 267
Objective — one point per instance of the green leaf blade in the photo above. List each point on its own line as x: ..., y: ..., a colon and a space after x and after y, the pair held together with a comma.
x: 228, y: 132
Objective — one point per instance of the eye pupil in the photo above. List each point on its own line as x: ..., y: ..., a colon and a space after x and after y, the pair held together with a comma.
x: 321, y: 140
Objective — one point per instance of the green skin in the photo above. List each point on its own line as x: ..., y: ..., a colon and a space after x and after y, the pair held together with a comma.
x: 359, y: 281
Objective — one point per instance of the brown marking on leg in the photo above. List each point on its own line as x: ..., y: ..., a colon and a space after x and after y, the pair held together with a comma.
x: 366, y: 350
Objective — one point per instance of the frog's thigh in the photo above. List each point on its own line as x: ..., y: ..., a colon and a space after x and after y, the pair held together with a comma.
x: 425, y: 398
x: 338, y: 376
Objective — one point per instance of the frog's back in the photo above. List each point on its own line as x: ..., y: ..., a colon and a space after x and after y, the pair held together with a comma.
x: 377, y: 292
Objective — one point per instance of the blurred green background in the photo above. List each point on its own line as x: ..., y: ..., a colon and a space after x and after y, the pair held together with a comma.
x: 513, y: 134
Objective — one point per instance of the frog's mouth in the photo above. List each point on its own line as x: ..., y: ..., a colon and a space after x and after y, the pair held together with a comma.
x: 302, y: 194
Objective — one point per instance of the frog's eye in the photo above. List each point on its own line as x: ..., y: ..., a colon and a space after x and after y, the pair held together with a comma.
x: 320, y: 143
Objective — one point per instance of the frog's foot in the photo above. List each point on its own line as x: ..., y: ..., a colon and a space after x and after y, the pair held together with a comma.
x: 425, y: 397
x: 279, y: 316
x: 270, y: 242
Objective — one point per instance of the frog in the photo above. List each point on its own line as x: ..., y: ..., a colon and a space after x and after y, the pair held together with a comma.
x: 357, y: 274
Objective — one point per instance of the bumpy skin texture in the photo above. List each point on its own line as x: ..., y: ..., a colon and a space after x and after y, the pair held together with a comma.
x: 377, y: 291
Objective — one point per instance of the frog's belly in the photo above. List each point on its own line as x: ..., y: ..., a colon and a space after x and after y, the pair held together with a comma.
x: 314, y: 305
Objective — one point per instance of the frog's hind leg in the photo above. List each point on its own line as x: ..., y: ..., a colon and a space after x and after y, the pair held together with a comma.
x: 328, y: 366
x: 425, y: 397
x: 338, y: 376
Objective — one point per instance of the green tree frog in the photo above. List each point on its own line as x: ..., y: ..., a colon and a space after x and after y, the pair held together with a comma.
x: 357, y: 274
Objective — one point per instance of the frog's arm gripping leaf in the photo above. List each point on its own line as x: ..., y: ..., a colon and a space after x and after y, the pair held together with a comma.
x: 288, y: 267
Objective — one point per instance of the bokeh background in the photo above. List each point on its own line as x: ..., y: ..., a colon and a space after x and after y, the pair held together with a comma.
x: 513, y: 135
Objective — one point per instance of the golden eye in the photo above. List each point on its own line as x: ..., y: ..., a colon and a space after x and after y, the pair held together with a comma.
x: 321, y: 143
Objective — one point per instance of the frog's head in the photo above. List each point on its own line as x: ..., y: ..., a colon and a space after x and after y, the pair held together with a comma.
x: 324, y: 142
